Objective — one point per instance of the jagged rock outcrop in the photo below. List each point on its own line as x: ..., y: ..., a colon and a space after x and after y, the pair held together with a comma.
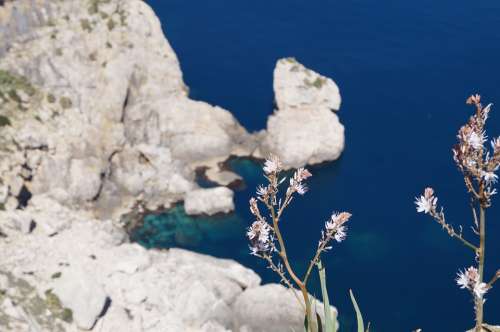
x: 304, y: 129
x: 104, y: 87
x: 94, y: 118
x: 87, y: 275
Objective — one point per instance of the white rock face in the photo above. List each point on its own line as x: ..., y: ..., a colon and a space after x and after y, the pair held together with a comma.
x: 271, y: 308
x: 303, y: 130
x: 173, y: 290
x: 209, y: 201
x: 101, y: 120
x: 124, y: 129
x: 295, y: 86
x: 79, y: 291
x: 304, y: 136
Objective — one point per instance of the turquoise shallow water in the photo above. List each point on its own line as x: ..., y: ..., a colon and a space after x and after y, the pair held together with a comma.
x: 404, y: 69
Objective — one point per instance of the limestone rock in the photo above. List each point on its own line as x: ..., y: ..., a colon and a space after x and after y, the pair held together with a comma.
x: 80, y: 292
x: 303, y: 130
x: 270, y: 308
x: 223, y: 178
x: 295, y: 86
x: 130, y: 106
x: 209, y: 201
x: 304, y: 136
x: 20, y: 221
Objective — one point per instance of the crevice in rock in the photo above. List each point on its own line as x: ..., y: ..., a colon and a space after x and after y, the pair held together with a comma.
x: 125, y: 104
x: 32, y: 226
x: 101, y: 185
x: 105, y: 308
x: 24, y: 197
x: 104, y: 175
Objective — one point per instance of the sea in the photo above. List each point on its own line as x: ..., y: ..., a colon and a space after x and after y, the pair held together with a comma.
x: 404, y: 69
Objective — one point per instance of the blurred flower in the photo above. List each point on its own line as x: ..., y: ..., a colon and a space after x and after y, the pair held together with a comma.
x: 340, y: 234
x: 262, y: 191
x: 335, y: 226
x: 489, y: 177
x: 480, y: 289
x: 476, y: 140
x: 259, y: 235
x: 426, y: 202
x: 469, y: 279
x: 495, y: 143
x: 474, y: 99
x: 272, y: 165
x: 253, y: 207
x: 302, y: 174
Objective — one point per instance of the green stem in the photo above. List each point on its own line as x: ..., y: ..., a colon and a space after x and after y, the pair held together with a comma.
x: 294, y: 277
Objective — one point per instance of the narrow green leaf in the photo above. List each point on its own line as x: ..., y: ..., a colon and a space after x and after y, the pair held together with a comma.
x: 359, y: 317
x: 330, y: 322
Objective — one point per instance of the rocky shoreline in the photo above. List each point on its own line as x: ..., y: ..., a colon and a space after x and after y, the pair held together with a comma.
x: 94, y: 118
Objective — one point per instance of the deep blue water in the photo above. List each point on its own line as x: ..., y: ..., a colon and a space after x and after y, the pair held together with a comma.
x: 404, y: 69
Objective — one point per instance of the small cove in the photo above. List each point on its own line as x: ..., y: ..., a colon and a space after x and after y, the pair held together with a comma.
x: 404, y: 70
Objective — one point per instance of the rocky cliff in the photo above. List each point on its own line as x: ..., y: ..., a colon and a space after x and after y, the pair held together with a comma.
x: 95, y: 118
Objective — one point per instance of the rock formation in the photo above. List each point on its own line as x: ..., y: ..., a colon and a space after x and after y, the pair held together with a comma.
x: 84, y: 274
x: 303, y: 130
x: 104, y: 117
x: 94, y: 117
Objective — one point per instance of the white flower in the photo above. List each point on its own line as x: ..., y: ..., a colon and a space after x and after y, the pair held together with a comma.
x: 300, y: 188
x: 426, y: 202
x: 462, y: 280
x: 262, y: 191
x: 259, y: 235
x: 480, y: 289
x: 425, y: 205
x: 486, y: 112
x: 469, y: 279
x: 272, y: 165
x: 495, y: 143
x: 336, y: 226
x: 301, y: 174
x: 254, y: 207
x: 489, y: 177
x: 340, y: 234
x: 476, y: 140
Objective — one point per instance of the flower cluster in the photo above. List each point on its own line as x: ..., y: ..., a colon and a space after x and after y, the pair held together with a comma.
x: 469, y: 279
x: 426, y: 203
x: 265, y: 237
x: 272, y: 165
x: 478, y: 164
x: 260, y: 236
x: 296, y: 184
x: 473, y: 157
x: 335, y: 226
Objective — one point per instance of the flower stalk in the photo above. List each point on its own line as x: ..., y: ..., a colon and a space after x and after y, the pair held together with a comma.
x: 266, y: 238
x: 478, y: 166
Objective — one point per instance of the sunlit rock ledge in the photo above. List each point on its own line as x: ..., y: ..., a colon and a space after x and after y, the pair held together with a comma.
x: 94, y: 116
